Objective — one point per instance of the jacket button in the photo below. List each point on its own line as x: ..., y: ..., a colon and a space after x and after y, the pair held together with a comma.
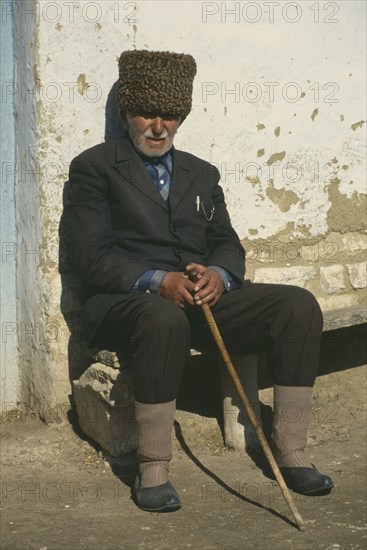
x: 174, y: 228
x: 178, y: 250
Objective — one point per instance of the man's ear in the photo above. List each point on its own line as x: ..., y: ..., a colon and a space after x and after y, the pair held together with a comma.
x: 123, y: 117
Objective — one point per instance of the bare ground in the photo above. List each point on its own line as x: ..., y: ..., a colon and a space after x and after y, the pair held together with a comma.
x: 59, y: 491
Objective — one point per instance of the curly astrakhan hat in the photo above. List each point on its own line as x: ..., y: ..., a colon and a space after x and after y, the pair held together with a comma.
x: 155, y: 82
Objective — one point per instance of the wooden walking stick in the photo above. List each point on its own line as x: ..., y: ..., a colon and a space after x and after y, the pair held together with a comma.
x: 250, y: 412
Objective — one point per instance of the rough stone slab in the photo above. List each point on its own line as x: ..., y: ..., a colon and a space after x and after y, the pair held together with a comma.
x: 337, y: 301
x: 345, y: 317
x: 358, y: 274
x: 104, y: 399
x: 296, y: 275
x: 332, y: 278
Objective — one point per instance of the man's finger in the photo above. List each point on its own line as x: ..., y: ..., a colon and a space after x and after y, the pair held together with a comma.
x: 188, y: 297
x: 207, y: 295
x: 197, y: 269
x: 206, y: 290
x: 209, y: 278
x: 204, y: 281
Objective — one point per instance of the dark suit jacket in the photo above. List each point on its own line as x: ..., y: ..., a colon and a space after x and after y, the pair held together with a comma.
x: 119, y: 226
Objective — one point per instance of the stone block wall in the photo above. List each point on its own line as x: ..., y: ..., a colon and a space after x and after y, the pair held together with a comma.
x: 332, y: 268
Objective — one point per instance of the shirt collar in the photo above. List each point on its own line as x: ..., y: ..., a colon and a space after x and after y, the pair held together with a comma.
x: 165, y: 160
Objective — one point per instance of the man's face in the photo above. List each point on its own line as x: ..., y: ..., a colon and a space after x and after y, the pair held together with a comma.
x: 151, y: 134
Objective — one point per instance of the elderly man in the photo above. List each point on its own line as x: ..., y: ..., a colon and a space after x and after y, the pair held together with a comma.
x: 142, y: 216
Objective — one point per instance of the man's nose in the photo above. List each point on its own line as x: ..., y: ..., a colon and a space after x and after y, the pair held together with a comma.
x: 157, y: 125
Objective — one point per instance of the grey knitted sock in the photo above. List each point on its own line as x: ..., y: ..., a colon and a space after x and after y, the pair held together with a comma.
x: 292, y: 414
x: 154, y: 425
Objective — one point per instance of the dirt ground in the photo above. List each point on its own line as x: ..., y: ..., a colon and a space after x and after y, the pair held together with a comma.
x: 59, y: 491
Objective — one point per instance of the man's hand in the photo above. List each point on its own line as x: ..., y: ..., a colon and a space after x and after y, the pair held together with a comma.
x: 177, y: 287
x: 208, y: 286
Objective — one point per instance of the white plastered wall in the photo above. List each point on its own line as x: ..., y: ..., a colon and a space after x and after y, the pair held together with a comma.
x: 278, y: 106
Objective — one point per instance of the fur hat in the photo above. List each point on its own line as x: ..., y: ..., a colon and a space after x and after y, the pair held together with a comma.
x: 155, y: 82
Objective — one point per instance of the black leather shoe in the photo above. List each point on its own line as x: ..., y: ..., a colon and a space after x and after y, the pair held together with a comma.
x: 307, y: 481
x: 162, y: 498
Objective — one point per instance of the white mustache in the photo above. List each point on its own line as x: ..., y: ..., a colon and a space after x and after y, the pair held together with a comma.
x: 150, y: 134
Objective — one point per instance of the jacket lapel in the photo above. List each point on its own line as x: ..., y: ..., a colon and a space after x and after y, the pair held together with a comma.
x: 131, y: 167
x: 182, y: 179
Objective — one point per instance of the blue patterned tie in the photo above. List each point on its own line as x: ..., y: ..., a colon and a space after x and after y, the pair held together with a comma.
x: 160, y: 171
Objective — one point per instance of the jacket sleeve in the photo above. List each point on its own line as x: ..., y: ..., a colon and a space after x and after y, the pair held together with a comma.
x: 101, y: 264
x: 224, y: 247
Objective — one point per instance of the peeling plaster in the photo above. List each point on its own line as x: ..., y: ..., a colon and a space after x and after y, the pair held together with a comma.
x: 260, y: 126
x: 339, y: 216
x: 282, y: 197
x: 277, y: 131
x: 275, y: 157
x: 254, y: 180
x: 82, y: 84
x: 357, y: 125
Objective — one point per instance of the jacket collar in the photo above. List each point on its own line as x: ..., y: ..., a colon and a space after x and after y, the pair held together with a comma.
x: 131, y: 166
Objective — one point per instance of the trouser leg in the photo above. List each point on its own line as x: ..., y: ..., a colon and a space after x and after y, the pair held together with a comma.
x: 158, y: 335
x: 284, y: 320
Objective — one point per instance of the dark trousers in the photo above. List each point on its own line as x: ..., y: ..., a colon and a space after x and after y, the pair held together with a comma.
x: 284, y: 320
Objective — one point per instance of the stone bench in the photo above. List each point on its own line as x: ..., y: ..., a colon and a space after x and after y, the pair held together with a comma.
x: 104, y: 394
